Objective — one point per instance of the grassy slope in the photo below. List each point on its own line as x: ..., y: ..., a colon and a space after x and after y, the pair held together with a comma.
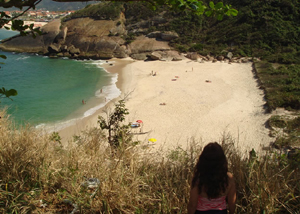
x: 38, y: 175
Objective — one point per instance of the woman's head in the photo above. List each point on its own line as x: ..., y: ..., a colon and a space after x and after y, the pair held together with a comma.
x: 210, y: 173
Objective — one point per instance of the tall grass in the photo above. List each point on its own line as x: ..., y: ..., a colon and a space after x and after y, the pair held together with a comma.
x: 39, y: 175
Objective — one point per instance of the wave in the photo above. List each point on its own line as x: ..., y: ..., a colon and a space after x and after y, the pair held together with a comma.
x: 23, y: 57
x: 105, y: 94
x: 57, y: 126
x: 109, y: 92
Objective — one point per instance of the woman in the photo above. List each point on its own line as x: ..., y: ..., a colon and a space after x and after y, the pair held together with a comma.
x: 212, y: 184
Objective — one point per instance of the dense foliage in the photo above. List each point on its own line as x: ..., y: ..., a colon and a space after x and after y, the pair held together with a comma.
x: 103, y: 11
x: 290, y: 126
x: 281, y: 85
x: 266, y: 29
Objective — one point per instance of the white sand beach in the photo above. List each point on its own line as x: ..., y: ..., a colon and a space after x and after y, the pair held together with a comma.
x: 202, y: 101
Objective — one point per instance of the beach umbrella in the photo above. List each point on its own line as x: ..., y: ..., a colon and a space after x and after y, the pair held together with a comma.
x: 139, y: 121
x: 152, y: 140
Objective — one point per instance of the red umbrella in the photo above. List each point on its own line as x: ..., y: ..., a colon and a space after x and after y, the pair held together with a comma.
x: 139, y: 121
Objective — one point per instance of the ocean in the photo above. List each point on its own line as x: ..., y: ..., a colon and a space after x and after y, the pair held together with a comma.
x: 51, y: 91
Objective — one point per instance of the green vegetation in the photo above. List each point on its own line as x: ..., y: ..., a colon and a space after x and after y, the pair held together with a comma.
x: 268, y: 30
x: 4, y: 93
x: 281, y: 85
x: 286, y: 129
x: 100, y: 11
x: 117, y: 132
x: 40, y: 175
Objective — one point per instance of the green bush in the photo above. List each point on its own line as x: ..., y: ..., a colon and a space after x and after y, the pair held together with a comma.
x: 101, y: 11
x: 277, y: 121
x: 281, y: 85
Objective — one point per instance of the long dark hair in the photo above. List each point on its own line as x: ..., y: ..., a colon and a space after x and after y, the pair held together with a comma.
x: 210, y: 174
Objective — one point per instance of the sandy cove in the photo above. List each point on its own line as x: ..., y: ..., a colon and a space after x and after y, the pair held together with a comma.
x: 203, y: 101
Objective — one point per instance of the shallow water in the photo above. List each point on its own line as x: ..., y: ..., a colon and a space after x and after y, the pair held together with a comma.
x: 50, y: 91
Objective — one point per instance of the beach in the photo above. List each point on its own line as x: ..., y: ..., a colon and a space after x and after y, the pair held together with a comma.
x: 186, y: 101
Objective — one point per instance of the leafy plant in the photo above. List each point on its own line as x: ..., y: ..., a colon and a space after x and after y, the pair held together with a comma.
x: 4, y: 93
x: 118, y: 133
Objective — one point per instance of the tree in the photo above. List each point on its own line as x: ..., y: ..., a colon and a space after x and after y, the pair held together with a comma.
x: 113, y: 124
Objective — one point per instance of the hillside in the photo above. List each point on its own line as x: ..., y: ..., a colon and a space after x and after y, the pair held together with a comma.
x: 269, y: 30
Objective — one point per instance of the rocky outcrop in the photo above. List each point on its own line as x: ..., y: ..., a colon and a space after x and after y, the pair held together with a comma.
x: 96, y: 39
x: 165, y: 36
x: 144, y: 44
x: 29, y: 44
x: 87, y: 38
x: 228, y: 58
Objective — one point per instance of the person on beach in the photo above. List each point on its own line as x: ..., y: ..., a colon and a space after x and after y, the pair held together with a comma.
x: 83, y: 102
x: 212, y: 184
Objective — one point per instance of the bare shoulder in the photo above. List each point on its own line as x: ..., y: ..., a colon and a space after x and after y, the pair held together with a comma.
x: 230, y: 177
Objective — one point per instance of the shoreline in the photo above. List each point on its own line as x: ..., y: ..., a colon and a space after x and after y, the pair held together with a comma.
x: 202, y: 101
x: 90, y: 121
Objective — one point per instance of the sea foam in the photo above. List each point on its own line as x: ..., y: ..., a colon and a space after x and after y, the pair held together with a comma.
x: 108, y: 93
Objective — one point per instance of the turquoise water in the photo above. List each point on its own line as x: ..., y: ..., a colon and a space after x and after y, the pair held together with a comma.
x: 50, y: 91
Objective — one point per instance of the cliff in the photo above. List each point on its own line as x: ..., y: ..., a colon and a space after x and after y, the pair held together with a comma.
x: 96, y: 38
x: 268, y: 30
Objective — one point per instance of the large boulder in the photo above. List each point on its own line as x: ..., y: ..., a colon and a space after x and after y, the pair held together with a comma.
x: 192, y: 56
x: 154, y: 34
x: 141, y: 56
x: 168, y: 36
x: 155, y: 55
x: 72, y: 50
x: 229, y: 55
x: 61, y: 36
x: 29, y: 44
x: 54, y: 48
x: 95, y: 39
x: 144, y: 44
x: 92, y: 38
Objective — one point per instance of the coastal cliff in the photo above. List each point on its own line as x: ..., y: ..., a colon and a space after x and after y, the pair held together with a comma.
x: 269, y: 31
x: 96, y: 38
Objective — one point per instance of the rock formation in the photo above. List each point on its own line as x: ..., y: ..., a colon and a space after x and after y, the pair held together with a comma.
x: 87, y: 38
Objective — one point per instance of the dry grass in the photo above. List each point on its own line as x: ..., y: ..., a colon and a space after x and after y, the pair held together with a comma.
x: 38, y: 175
